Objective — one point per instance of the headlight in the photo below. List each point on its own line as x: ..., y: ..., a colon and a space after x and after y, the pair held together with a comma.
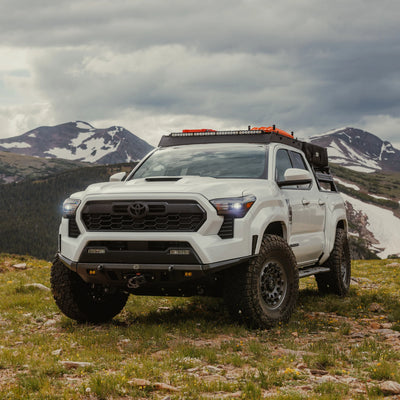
x: 69, y: 207
x: 236, y: 207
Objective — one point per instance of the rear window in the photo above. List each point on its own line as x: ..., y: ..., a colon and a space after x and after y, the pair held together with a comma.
x: 217, y: 161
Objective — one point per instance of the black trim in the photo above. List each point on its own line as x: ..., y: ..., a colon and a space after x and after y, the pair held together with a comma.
x: 227, y: 228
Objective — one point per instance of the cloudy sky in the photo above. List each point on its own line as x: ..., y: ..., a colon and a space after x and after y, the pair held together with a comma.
x: 155, y: 66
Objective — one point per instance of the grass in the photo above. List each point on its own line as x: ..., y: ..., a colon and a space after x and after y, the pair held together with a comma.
x: 333, y: 348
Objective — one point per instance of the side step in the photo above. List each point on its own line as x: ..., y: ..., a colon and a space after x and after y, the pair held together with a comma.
x: 312, y: 271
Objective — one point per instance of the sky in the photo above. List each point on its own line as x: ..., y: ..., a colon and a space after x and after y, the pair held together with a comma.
x: 153, y: 67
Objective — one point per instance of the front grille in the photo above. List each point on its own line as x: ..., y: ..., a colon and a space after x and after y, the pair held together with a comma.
x: 169, y: 215
x: 73, y: 230
x: 226, y: 230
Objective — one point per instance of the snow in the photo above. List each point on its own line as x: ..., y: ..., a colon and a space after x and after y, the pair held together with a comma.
x: 358, y: 168
x: 377, y: 197
x: 82, y: 136
x: 83, y: 125
x: 369, y: 163
x: 94, y: 145
x: 32, y: 135
x: 383, y: 224
x: 15, y: 145
x: 329, y: 132
x: 349, y: 185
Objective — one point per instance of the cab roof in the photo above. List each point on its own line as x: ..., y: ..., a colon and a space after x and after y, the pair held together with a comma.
x: 316, y: 155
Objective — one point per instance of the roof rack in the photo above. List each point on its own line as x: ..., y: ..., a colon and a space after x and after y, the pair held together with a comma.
x: 316, y: 155
x: 240, y: 136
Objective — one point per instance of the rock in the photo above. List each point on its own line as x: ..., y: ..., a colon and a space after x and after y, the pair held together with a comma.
x: 357, y: 335
x: 56, y: 352
x: 375, y: 307
x: 394, y: 264
x: 375, y: 325
x: 318, y: 372
x: 327, y: 378
x: 212, y: 369
x: 390, y: 387
x: 75, y: 364
x: 50, y: 322
x: 165, y: 386
x: 38, y: 286
x: 139, y: 382
x: 19, y: 266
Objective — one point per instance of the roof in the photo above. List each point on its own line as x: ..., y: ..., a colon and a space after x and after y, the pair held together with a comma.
x: 316, y: 155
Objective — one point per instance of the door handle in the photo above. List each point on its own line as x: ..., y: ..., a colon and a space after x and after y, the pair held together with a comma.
x: 321, y: 202
x: 305, y: 202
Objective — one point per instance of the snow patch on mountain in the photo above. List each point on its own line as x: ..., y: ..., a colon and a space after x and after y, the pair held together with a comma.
x: 347, y: 184
x: 84, y: 125
x: 382, y: 223
x: 84, y: 148
x: 16, y: 145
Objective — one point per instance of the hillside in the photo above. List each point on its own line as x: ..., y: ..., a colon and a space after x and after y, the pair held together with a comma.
x: 373, y: 211
x: 79, y: 141
x: 30, y: 211
x: 174, y: 348
x: 15, y: 167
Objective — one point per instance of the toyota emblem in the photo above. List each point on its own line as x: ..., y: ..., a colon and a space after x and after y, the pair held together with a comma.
x: 138, y: 210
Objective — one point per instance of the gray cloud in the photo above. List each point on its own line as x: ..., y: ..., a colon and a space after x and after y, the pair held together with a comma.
x: 308, y: 66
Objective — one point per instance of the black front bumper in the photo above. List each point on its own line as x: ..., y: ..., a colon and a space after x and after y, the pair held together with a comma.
x: 148, y: 278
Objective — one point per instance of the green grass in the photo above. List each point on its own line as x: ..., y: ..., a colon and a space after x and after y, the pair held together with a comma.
x: 333, y: 348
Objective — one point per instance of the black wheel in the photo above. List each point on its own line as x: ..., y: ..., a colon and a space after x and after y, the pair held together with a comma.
x: 337, y: 280
x: 82, y: 301
x: 264, y: 292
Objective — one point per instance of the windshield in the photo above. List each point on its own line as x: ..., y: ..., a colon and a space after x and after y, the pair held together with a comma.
x: 246, y: 161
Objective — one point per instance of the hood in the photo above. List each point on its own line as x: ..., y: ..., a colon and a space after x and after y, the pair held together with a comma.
x: 211, y: 188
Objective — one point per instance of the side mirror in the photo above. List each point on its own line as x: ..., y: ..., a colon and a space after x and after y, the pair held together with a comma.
x: 118, y: 177
x: 296, y: 176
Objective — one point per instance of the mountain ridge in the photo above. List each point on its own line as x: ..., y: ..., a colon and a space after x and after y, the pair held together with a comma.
x: 359, y: 150
x: 79, y: 141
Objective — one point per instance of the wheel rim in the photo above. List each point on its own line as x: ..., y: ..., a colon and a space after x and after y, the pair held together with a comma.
x: 273, y: 284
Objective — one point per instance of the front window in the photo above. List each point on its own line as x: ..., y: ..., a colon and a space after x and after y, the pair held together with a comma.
x: 218, y: 161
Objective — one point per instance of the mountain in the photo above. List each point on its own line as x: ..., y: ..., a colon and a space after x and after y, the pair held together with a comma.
x: 79, y: 141
x: 359, y: 150
x: 17, y: 167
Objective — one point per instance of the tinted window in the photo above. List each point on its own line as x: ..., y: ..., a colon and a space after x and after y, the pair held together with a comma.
x: 222, y: 161
x: 298, y: 161
x: 282, y: 164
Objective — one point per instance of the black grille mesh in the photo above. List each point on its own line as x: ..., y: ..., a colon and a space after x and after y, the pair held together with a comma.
x: 166, y: 216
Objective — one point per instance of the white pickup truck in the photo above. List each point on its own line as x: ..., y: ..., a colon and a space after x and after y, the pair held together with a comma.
x: 239, y: 214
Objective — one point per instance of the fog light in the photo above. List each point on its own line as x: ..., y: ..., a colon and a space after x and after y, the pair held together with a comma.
x: 92, y: 272
x: 179, y: 252
x: 188, y: 274
x: 96, y: 251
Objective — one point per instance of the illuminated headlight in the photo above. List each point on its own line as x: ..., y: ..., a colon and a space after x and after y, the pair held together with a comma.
x: 69, y: 207
x: 236, y: 207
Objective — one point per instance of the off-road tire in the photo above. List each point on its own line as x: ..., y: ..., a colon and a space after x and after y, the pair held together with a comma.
x: 82, y: 301
x: 263, y: 292
x: 337, y: 280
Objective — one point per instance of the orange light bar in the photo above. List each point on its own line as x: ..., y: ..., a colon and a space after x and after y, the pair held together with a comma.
x: 272, y: 129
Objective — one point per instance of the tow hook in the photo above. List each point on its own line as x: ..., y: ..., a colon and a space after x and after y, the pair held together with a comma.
x: 136, y: 281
